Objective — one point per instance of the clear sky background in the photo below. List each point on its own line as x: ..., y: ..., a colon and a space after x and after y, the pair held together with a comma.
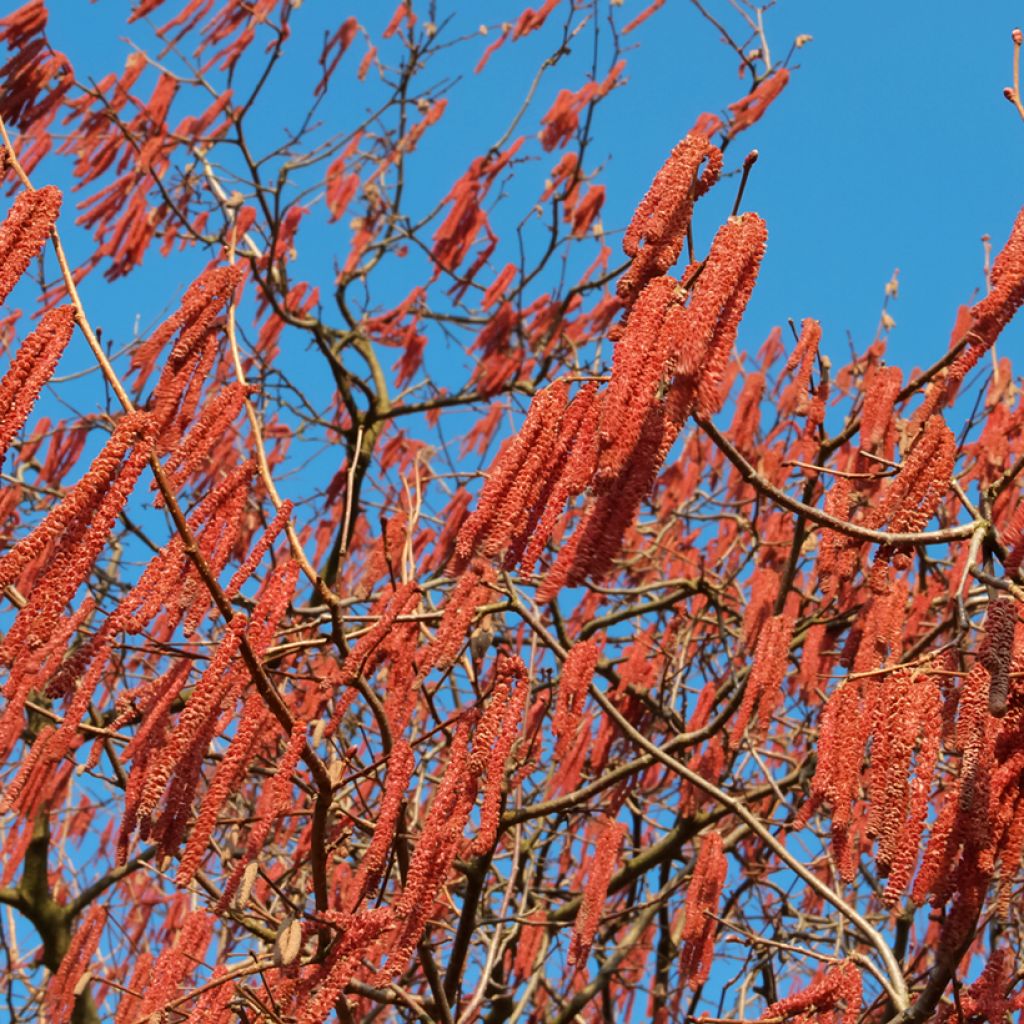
x: 893, y: 146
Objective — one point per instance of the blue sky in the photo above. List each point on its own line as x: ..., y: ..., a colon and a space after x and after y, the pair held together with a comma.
x: 892, y: 147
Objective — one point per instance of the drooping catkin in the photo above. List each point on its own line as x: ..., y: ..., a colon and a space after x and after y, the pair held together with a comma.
x: 702, y: 899
x: 1006, y: 291
x: 996, y: 649
x: 24, y: 232
x: 510, y: 673
x: 273, y: 801
x: 658, y: 228
x: 588, y: 917
x: 840, y: 984
x: 574, y: 681
x: 31, y: 368
x: 401, y: 763
x: 63, y: 986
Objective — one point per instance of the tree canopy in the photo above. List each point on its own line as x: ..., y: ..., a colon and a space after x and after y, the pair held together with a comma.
x: 439, y: 607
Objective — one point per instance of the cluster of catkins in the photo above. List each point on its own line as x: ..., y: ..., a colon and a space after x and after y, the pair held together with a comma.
x: 672, y: 348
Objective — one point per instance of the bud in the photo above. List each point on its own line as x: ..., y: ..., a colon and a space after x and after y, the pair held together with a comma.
x: 252, y: 869
x: 288, y: 943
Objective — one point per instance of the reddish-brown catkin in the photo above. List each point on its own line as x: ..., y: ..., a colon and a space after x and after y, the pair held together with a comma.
x: 750, y: 108
x: 913, y: 495
x: 252, y: 722
x: 515, y: 478
x: 588, y: 917
x: 176, y: 962
x: 202, y: 703
x: 209, y: 430
x: 928, y: 715
x: 1006, y: 291
x: 795, y: 397
x: 767, y: 670
x: 356, y: 935
x: 399, y: 771
x: 996, y: 650
x: 574, y: 475
x: 597, y: 539
x: 259, y: 549
x: 839, y: 984
x: 719, y: 300
x: 702, y: 899
x: 881, y: 386
x: 469, y: 593
x: 988, y: 998
x: 764, y: 589
x: 644, y: 362
x: 577, y: 672
x: 363, y: 654
x: 24, y: 232
x: 30, y: 369
x: 80, y: 500
x: 511, y: 675
x: 894, y: 731
x: 659, y: 226
x: 554, y: 476
x: 60, y: 992
x: 92, y: 516
x: 435, y: 852
x: 273, y: 801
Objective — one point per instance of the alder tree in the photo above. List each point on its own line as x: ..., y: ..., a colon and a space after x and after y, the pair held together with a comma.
x: 420, y: 603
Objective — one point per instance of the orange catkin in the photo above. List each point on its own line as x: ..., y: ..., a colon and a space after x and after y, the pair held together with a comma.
x: 24, y: 232
x: 609, y: 843
x: 702, y: 899
x: 658, y: 229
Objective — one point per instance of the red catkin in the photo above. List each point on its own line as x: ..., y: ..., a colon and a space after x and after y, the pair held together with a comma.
x: 1006, y: 291
x: 996, y: 650
x: 588, y: 917
x: 24, y: 232
x: 510, y: 674
x: 702, y: 899
x: 273, y: 801
x: 839, y: 984
x: 399, y: 771
x: 30, y: 369
x: 655, y: 235
x: 60, y: 992
x: 577, y: 672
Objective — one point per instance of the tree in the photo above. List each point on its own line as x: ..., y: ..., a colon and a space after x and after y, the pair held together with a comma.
x: 562, y: 662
